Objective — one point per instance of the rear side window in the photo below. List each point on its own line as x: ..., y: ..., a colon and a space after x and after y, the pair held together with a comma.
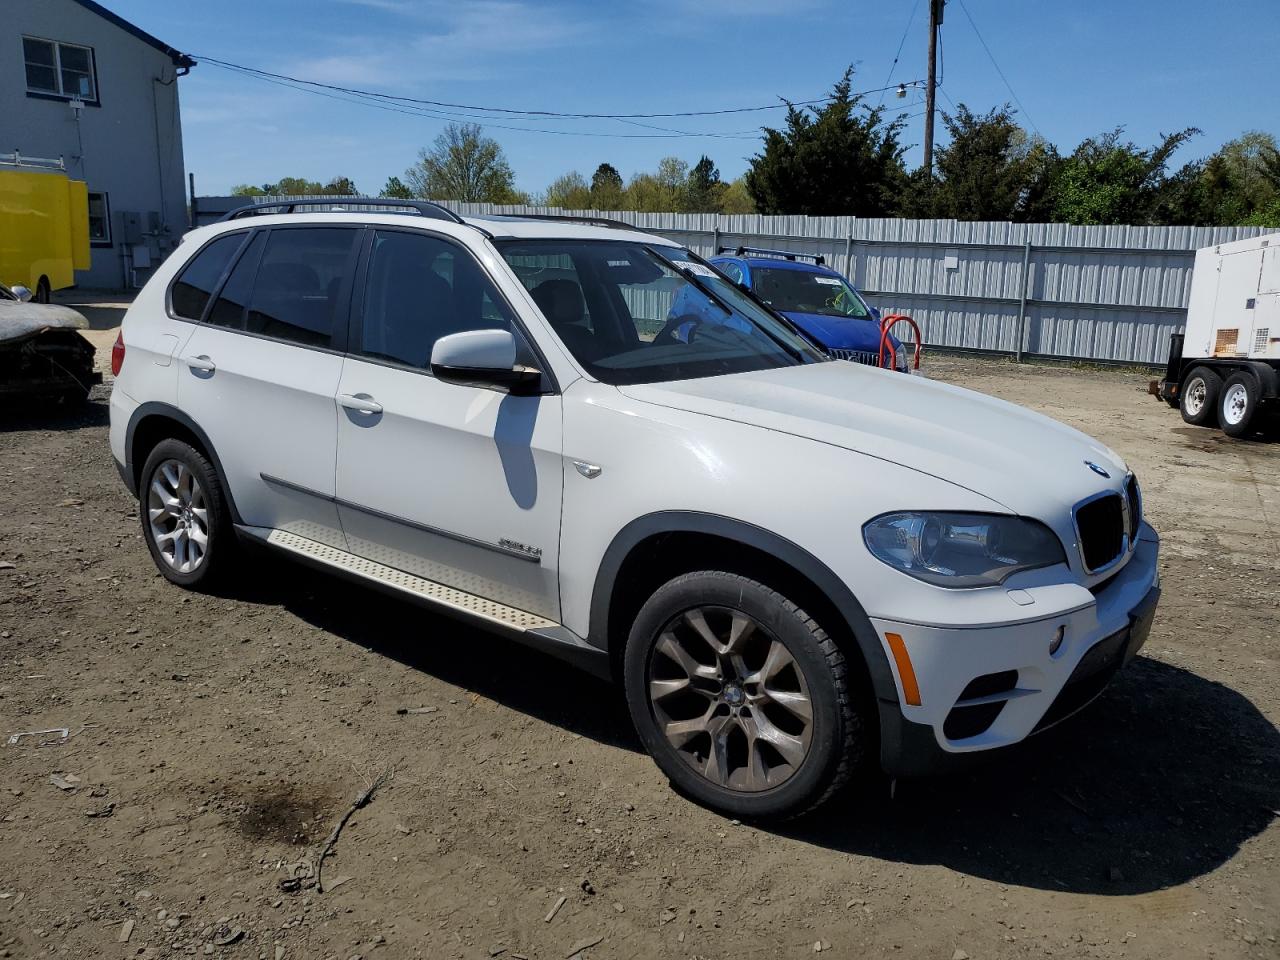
x: 296, y: 286
x: 421, y: 288
x: 228, y: 310
x: 194, y: 286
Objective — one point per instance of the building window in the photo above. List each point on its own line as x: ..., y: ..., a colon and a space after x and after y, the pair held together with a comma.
x: 59, y: 69
x: 99, y: 220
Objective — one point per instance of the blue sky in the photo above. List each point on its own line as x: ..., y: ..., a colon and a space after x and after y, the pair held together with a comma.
x: 1079, y: 67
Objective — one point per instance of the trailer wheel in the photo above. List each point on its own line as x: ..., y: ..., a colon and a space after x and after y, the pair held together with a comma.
x: 43, y: 292
x: 1200, y: 397
x: 1239, y: 403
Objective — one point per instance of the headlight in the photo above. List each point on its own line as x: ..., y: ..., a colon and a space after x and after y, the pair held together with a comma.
x: 961, y: 549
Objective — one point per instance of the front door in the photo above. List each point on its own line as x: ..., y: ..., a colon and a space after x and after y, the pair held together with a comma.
x: 259, y: 375
x: 460, y: 485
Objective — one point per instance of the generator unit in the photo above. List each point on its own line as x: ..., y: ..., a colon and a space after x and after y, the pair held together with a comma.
x: 1224, y: 369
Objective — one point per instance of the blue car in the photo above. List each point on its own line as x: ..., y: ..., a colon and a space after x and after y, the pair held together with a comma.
x: 821, y: 302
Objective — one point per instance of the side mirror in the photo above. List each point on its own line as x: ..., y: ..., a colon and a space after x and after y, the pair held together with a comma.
x: 22, y: 293
x: 483, y: 358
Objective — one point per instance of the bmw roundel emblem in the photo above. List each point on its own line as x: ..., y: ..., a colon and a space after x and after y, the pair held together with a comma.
x: 1097, y: 469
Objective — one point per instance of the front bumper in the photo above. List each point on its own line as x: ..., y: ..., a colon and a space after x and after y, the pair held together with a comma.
x: 985, y: 688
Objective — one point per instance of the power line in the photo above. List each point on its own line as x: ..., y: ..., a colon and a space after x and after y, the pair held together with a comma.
x: 901, y: 43
x: 512, y: 110
x: 991, y: 56
x: 367, y: 99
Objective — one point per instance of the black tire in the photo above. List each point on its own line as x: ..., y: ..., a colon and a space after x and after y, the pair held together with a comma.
x: 43, y: 292
x: 1238, y: 404
x: 836, y: 735
x: 1198, y: 398
x: 220, y: 541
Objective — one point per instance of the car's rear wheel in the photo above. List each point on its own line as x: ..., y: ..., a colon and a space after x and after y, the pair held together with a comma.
x: 1199, y: 399
x: 185, y: 520
x: 740, y: 697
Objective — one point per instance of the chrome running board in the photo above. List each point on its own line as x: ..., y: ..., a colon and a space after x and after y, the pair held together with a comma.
x: 528, y: 628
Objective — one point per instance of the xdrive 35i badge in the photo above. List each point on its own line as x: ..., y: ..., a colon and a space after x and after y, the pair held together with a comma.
x: 1097, y: 469
x: 516, y: 547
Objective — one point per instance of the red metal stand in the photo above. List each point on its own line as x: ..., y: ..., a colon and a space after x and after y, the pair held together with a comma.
x: 887, y: 323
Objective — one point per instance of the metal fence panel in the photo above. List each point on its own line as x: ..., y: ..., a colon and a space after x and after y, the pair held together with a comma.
x: 1106, y: 293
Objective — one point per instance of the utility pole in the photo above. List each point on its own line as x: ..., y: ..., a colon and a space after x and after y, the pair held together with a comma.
x: 930, y: 93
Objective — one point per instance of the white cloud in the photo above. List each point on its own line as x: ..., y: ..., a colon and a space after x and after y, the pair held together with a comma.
x: 442, y: 41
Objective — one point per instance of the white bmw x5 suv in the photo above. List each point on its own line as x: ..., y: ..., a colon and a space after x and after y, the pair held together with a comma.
x: 799, y: 569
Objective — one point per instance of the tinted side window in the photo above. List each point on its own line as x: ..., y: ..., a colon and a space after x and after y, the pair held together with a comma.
x: 421, y: 288
x: 194, y: 286
x: 228, y: 309
x: 296, y: 290
x: 731, y: 270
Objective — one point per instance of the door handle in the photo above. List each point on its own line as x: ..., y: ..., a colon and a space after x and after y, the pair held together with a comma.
x: 361, y: 403
x: 201, y: 363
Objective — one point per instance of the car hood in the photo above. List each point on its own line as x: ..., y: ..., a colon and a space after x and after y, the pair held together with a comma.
x: 840, y: 333
x: 1001, y: 451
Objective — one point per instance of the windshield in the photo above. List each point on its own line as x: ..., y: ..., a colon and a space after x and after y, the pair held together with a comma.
x: 801, y: 291
x: 638, y: 313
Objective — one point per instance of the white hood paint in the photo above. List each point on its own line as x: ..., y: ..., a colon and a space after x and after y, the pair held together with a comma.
x: 999, y: 450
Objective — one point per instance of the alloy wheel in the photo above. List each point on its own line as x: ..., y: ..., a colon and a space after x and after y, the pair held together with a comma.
x: 730, y: 698
x: 178, y: 516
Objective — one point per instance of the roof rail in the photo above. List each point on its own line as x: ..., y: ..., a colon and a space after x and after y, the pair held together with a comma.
x: 422, y: 208
x: 817, y: 258
x: 571, y: 218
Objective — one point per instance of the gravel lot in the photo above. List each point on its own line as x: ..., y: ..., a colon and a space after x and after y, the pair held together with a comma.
x: 218, y: 739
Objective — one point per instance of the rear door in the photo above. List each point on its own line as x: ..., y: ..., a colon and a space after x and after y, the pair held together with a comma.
x: 260, y: 373
x: 457, y: 484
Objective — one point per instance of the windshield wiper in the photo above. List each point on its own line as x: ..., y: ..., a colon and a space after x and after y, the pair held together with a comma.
x: 716, y: 299
x: 692, y: 278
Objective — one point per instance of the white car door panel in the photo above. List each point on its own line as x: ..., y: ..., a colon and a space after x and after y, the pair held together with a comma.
x: 458, y: 484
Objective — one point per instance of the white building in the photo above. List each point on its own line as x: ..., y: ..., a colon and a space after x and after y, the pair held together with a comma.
x: 79, y: 82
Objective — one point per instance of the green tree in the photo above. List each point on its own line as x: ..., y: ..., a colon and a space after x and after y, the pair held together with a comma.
x: 396, y: 189
x: 569, y: 191
x: 657, y: 192
x: 840, y: 158
x: 606, y: 188
x: 648, y: 194
x: 990, y: 169
x: 702, y: 188
x: 296, y: 187
x: 299, y: 187
x: 1107, y: 181
x: 341, y: 187
x: 1240, y: 184
x: 463, y: 164
x: 735, y: 198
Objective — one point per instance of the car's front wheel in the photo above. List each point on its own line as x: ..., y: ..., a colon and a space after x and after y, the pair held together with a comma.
x: 740, y: 697
x: 184, y: 515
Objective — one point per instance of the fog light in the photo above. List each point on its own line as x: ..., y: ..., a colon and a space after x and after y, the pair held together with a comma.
x: 1056, y: 643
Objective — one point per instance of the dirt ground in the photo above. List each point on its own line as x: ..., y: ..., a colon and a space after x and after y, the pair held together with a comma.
x: 218, y: 739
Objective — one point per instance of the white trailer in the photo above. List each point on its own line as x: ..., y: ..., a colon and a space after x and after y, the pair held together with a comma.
x: 1225, y: 368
